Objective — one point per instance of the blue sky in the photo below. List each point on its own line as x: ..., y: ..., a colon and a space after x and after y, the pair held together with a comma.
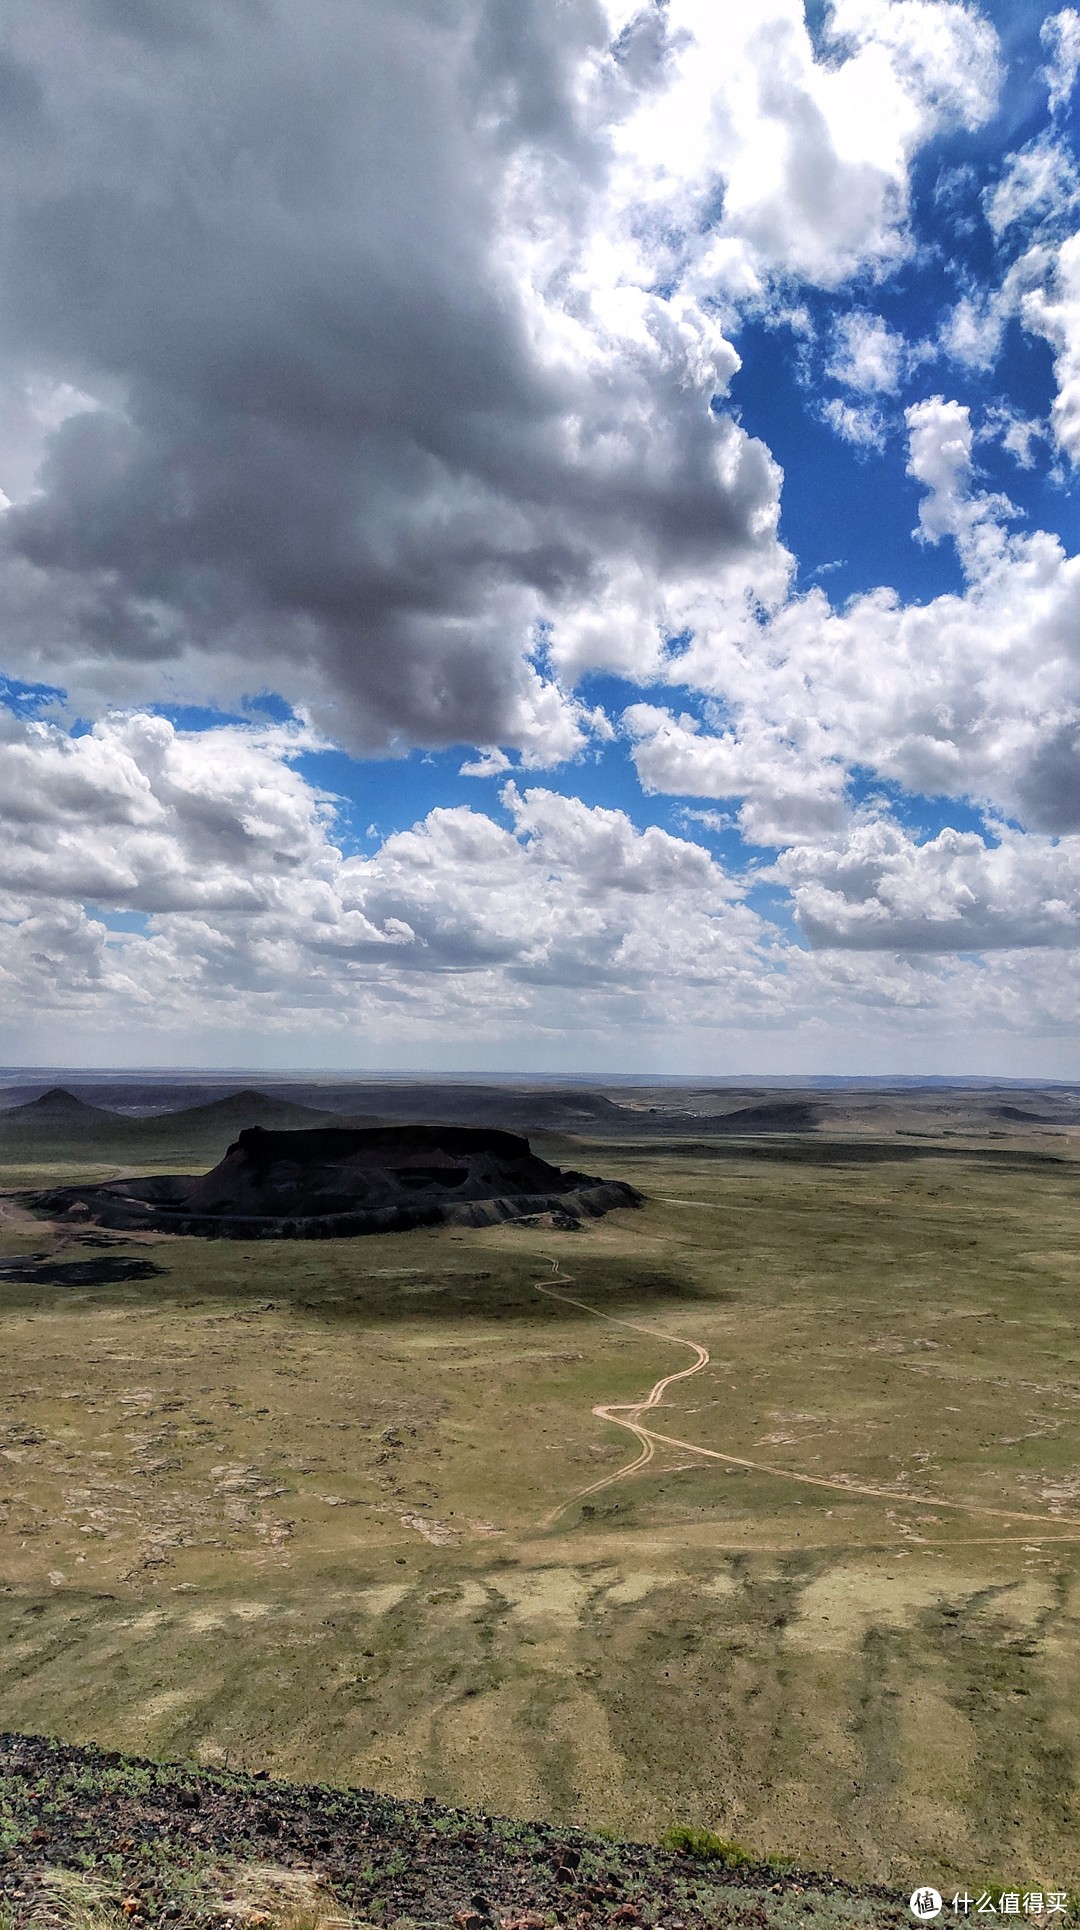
x: 542, y: 550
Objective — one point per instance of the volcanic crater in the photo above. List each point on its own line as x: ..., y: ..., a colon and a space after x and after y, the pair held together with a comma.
x: 340, y: 1180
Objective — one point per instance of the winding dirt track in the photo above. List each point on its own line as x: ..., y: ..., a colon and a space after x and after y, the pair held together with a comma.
x: 627, y: 1414
x: 633, y: 1409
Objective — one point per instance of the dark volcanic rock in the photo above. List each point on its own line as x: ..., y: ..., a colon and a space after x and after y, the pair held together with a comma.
x: 345, y: 1180
x: 130, y: 1821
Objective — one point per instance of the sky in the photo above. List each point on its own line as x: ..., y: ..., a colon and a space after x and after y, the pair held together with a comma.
x: 540, y: 537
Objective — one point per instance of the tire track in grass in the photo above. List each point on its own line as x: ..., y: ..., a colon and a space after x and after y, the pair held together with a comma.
x: 627, y: 1414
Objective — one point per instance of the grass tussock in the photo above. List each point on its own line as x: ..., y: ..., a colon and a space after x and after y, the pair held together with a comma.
x: 687, y: 1839
x: 262, y: 1897
x: 253, y: 1897
x: 75, y: 1902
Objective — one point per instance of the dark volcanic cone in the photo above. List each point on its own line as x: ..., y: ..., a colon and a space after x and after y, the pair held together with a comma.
x: 57, y: 1106
x: 348, y: 1180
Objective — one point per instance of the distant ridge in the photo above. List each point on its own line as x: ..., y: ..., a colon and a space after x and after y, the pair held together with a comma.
x: 161, y: 1121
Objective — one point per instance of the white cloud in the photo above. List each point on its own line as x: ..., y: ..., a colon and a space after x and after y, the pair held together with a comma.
x: 365, y: 449
x: 1039, y: 192
x: 563, y: 929
x: 811, y: 157
x: 360, y: 470
x: 252, y: 909
x: 138, y: 816
x: 712, y: 820
x: 1060, y: 35
x: 860, y: 426
x: 1019, y: 434
x: 1038, y: 181
x: 940, y: 459
x: 940, y: 445
x: 880, y: 888
x: 1037, y: 195
x: 1053, y: 311
x: 973, y: 331
x: 867, y: 354
x: 943, y: 56
x: 492, y: 762
x: 972, y: 695
x: 789, y: 790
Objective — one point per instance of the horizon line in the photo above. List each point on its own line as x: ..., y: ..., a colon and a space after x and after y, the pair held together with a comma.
x: 399, y: 1075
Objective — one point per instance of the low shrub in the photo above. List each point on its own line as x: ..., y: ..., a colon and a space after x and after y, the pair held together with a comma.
x: 689, y: 1840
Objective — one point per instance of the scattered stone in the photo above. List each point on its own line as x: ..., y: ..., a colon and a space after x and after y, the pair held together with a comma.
x: 379, y: 1860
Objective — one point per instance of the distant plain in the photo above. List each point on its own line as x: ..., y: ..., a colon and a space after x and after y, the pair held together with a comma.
x: 318, y: 1506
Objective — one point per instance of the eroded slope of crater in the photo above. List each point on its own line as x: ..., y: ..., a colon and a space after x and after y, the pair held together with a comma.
x: 346, y: 1180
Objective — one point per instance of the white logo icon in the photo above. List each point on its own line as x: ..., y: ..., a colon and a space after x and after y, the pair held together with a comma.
x: 925, y: 1903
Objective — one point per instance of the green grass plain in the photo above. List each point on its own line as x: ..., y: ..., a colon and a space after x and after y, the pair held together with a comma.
x: 290, y: 1505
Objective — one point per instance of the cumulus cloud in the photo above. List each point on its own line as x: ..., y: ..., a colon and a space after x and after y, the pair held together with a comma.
x: 972, y: 695
x: 491, y: 762
x: 335, y: 436
x: 789, y: 789
x: 1021, y: 435
x: 940, y: 459
x: 880, y: 888
x: 556, y: 918
x: 1032, y: 210
x: 390, y: 361
x: 343, y: 349
x: 137, y: 816
x: 249, y: 903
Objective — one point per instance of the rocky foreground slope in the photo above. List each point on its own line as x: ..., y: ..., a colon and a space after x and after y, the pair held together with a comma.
x: 130, y: 1841
x: 329, y: 1180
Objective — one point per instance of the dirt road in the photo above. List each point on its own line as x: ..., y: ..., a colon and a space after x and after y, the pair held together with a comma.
x: 627, y: 1414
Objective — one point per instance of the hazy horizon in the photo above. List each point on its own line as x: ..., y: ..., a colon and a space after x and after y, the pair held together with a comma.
x: 60, y: 1074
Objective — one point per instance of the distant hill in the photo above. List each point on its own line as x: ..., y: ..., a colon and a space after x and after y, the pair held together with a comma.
x: 363, y: 1102
x: 783, y: 1116
x: 240, y: 1109
x: 58, y: 1107
x: 1063, y: 1117
x: 60, y: 1110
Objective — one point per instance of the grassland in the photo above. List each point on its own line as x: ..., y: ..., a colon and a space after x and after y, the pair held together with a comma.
x: 291, y: 1506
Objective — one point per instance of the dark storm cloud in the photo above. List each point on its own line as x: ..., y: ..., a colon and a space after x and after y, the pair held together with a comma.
x: 330, y: 459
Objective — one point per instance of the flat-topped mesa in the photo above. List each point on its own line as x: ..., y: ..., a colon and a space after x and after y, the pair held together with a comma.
x: 327, y: 1180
